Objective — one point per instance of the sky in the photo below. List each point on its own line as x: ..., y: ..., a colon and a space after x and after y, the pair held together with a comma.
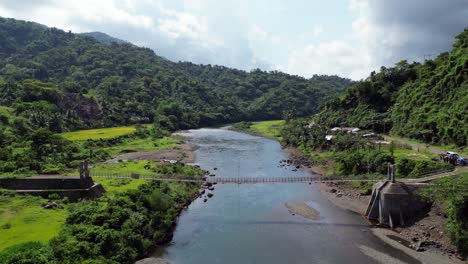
x: 349, y: 38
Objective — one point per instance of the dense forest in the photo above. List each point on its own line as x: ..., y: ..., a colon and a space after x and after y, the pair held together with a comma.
x: 427, y: 101
x: 53, y: 81
x: 73, y: 81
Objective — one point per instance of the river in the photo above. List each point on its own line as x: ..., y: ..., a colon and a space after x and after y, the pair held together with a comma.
x: 249, y: 223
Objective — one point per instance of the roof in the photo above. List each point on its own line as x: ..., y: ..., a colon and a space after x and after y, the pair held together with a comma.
x: 349, y: 129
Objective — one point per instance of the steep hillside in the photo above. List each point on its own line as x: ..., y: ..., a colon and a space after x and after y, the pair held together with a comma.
x: 426, y: 101
x: 131, y: 84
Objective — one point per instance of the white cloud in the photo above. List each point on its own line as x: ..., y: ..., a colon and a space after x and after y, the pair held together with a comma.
x: 383, y: 33
x: 181, y: 25
x: 317, y: 30
x: 329, y: 58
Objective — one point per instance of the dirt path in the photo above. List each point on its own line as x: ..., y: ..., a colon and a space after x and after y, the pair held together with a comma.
x: 416, y: 146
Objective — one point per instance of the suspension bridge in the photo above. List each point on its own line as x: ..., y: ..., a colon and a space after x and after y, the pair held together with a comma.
x: 235, y: 180
x: 423, y: 178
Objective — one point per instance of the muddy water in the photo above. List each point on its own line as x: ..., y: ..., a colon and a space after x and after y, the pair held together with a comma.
x: 250, y: 223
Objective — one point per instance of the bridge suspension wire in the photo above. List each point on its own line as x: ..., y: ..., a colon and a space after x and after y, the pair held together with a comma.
x: 237, y: 180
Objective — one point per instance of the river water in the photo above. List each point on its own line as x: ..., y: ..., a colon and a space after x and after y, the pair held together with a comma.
x: 249, y: 223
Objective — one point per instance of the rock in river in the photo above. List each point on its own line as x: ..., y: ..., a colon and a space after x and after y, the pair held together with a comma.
x: 152, y: 261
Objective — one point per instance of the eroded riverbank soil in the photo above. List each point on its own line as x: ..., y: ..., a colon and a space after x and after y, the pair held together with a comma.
x: 427, y: 234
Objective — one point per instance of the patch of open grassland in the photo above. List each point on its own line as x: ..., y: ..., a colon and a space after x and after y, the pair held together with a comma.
x: 143, y: 144
x: 269, y: 129
x: 22, y: 219
x: 102, y: 133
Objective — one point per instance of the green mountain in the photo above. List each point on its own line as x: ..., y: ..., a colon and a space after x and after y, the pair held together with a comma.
x: 427, y: 101
x: 63, y: 81
x: 104, y: 38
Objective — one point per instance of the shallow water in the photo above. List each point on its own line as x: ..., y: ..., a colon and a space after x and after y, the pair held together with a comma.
x: 250, y: 223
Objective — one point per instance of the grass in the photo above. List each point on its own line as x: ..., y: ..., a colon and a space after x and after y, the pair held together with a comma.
x: 101, y: 133
x: 413, y: 154
x: 124, y: 168
x: 449, y: 147
x: 270, y: 129
x: 113, y: 186
x: 144, y: 144
x: 22, y: 219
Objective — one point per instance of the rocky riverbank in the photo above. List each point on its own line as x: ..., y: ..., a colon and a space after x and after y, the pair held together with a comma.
x: 182, y: 153
x: 425, y: 235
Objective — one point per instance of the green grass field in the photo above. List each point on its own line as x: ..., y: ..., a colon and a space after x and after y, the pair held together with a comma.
x: 269, y: 129
x: 22, y: 219
x: 113, y: 186
x: 123, y: 168
x: 101, y: 133
x: 144, y: 144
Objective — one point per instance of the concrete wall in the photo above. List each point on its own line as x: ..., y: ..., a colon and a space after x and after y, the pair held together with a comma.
x: 395, y: 204
x: 46, y: 183
x: 73, y: 188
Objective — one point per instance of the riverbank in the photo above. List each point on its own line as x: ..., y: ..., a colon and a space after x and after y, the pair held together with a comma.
x: 428, y: 234
x: 184, y: 153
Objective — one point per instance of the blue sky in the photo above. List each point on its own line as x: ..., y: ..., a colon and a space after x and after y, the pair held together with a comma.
x: 349, y: 38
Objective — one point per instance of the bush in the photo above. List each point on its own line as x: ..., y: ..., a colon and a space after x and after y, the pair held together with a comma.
x: 353, y: 162
x: 28, y: 253
x: 242, y: 125
x: 51, y: 169
x: 453, y: 192
x: 6, y: 226
x: 457, y: 226
x: 53, y: 196
x: 413, y: 168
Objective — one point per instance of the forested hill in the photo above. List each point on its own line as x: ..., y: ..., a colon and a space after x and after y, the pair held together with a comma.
x: 63, y: 81
x: 426, y: 101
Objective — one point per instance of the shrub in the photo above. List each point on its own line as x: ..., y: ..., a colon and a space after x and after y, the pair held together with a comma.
x: 352, y: 162
x: 28, y: 253
x: 457, y: 226
x: 53, y: 196
x: 413, y: 168
x: 453, y: 192
x: 6, y: 226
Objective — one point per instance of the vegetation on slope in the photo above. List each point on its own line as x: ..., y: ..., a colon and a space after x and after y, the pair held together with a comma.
x: 426, y: 101
x: 119, y: 228
x: 453, y: 193
x: 53, y: 81
x: 102, y: 133
x: 86, y: 83
x: 350, y: 154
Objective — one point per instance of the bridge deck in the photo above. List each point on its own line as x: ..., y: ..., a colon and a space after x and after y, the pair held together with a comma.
x: 237, y: 180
